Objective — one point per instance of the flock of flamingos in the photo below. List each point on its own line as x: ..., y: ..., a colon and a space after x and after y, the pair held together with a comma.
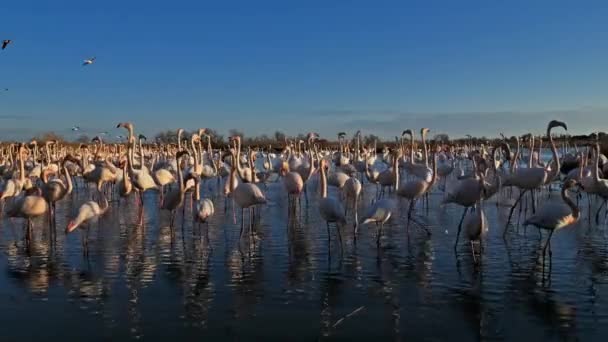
x: 34, y: 178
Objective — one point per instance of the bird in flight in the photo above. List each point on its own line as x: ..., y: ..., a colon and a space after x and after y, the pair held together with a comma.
x: 88, y: 61
x: 75, y: 128
x: 5, y: 43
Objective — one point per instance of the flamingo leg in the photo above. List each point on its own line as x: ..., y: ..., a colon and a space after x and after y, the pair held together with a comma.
x: 460, y: 226
x: 547, y: 244
x: 511, y: 212
x: 597, y: 214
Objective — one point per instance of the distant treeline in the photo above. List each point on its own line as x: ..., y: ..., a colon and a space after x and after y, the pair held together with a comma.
x: 278, y: 139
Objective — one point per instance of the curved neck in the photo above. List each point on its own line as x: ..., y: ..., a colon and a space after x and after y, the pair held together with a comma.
x: 68, y: 180
x: 195, y: 152
x: 554, y: 153
x: 570, y: 203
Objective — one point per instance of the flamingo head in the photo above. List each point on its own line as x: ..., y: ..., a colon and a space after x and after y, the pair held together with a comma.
x: 556, y: 123
x: 202, y: 131
x: 70, y: 227
x: 195, y: 137
x: 407, y: 132
x: 142, y: 137
x: 424, y: 131
x: 284, y: 168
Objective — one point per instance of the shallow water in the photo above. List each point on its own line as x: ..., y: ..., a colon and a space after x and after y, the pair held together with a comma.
x: 286, y: 282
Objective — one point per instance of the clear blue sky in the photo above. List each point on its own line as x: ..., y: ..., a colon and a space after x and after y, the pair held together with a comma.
x: 382, y: 66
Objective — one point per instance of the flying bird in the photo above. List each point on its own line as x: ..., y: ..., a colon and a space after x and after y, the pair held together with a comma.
x: 75, y: 128
x: 88, y: 61
x: 5, y: 43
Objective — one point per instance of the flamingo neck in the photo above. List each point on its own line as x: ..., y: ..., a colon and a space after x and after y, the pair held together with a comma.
x: 570, y: 203
x: 180, y: 177
x: 68, y: 180
x: 554, y: 153
x: 323, y: 183
x: 232, y: 180
x: 396, y: 172
x: 424, y: 150
x: 596, y: 164
x: 197, y: 191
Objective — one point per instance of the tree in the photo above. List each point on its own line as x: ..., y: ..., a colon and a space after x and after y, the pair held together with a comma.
x: 166, y: 137
x: 217, y: 140
x: 235, y: 132
x: 83, y: 138
x: 48, y: 136
x: 370, y: 138
x: 279, y: 137
x: 442, y: 137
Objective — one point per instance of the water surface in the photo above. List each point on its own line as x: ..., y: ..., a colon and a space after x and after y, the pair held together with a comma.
x: 285, y: 282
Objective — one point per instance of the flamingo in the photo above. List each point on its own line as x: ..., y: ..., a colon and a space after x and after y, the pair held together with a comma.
x: 331, y: 209
x: 475, y: 224
x: 125, y: 187
x: 528, y: 179
x: 5, y: 43
x: 175, y: 198
x: 13, y: 186
x: 293, y: 183
x: 204, y: 207
x: 414, y: 189
x: 381, y: 210
x: 28, y: 205
x: 352, y: 190
x: 87, y: 212
x: 418, y: 170
x: 246, y: 195
x: 556, y: 215
x: 55, y: 190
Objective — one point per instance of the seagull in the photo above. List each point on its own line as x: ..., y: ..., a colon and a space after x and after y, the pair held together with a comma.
x: 75, y: 128
x: 88, y: 61
x: 5, y: 43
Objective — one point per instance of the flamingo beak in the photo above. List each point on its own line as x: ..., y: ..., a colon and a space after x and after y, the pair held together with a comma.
x: 71, y: 226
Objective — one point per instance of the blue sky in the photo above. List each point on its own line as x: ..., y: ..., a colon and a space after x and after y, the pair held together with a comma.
x: 478, y: 67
